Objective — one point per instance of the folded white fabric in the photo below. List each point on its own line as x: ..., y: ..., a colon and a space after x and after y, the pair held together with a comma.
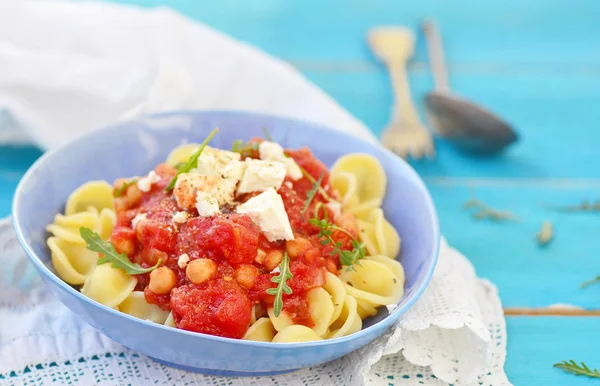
x: 66, y: 68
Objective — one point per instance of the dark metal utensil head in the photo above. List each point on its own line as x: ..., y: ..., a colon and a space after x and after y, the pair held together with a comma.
x: 467, y: 125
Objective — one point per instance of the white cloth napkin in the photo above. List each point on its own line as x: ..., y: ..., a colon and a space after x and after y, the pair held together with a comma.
x: 70, y: 67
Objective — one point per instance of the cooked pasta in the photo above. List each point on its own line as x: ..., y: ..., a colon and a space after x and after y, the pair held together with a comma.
x: 220, y: 256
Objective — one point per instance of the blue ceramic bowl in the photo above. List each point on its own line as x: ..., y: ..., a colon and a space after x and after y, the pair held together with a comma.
x: 134, y: 148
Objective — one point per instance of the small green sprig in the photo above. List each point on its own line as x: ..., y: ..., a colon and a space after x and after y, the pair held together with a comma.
x: 485, y: 212
x: 312, y: 193
x: 245, y: 149
x: 574, y: 368
x: 110, y: 255
x: 306, y: 174
x: 282, y: 287
x: 119, y: 192
x: 326, y: 228
x: 192, y: 162
x: 588, y: 283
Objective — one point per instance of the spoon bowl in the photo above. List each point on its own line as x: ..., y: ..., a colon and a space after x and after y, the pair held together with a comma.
x: 467, y: 125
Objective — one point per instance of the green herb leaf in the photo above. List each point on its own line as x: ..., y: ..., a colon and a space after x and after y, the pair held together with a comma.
x: 312, y: 193
x: 282, y: 286
x: 119, y: 192
x: 192, y: 162
x: 267, y: 135
x: 326, y: 228
x: 245, y: 149
x: 306, y: 174
x: 572, y: 367
x: 119, y: 260
x: 590, y: 282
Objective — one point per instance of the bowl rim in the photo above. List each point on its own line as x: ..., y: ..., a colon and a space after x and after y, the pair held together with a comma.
x: 378, y: 328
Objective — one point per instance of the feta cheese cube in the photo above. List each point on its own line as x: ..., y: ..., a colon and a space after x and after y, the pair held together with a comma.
x: 271, y: 151
x: 212, y: 161
x: 234, y: 170
x: 138, y: 217
x: 261, y: 175
x: 267, y: 211
x: 335, y: 207
x: 183, y: 260
x: 206, y: 204
x: 292, y: 169
x: 189, y: 184
x: 180, y: 217
x: 145, y: 184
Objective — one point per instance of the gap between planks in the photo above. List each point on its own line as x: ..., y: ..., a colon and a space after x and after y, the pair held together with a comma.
x: 550, y: 311
x: 574, y: 183
x: 361, y: 66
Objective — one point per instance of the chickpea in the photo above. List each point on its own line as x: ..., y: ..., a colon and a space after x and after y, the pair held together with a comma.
x: 349, y: 222
x: 246, y: 275
x: 162, y: 280
x: 297, y: 247
x: 200, y: 270
x: 152, y: 255
x: 124, y: 245
x: 273, y: 259
x: 260, y: 256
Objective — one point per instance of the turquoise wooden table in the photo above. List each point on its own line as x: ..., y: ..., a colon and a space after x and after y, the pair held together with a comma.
x: 537, y: 64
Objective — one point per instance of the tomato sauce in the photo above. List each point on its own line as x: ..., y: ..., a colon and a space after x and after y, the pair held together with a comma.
x: 223, y: 305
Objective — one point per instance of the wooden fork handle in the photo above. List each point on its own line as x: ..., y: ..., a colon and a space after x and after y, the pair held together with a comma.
x: 403, y: 109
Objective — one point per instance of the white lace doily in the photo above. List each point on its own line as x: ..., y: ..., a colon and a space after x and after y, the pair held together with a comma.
x: 458, y: 316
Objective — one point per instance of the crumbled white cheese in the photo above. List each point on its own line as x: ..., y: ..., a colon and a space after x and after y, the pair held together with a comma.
x: 335, y: 207
x: 391, y: 307
x: 212, y: 160
x: 180, y: 217
x: 276, y: 270
x: 145, y: 184
x: 189, y: 184
x: 138, y: 217
x: 267, y: 211
x: 234, y: 170
x: 183, y: 260
x: 206, y: 204
x: 261, y: 175
x: 271, y: 151
x: 288, y: 184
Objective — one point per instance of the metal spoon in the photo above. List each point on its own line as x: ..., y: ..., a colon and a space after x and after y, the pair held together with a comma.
x: 465, y: 124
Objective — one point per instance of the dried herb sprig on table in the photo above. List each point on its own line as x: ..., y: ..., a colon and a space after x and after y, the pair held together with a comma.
x: 546, y: 234
x: 584, y: 206
x: 574, y: 368
x: 485, y: 212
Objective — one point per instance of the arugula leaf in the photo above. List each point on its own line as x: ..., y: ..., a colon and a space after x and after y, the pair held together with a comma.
x: 119, y: 260
x: 590, y: 282
x: 282, y: 286
x: 119, y: 192
x: 572, y: 367
x: 193, y: 161
x: 312, y: 193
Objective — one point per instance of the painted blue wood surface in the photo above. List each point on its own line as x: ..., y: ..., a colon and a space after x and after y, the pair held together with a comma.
x: 534, y: 62
x: 536, y: 343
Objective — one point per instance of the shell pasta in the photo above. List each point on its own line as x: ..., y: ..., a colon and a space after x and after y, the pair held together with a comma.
x: 258, y: 243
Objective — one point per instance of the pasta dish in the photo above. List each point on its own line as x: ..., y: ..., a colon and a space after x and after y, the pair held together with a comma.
x: 258, y: 242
